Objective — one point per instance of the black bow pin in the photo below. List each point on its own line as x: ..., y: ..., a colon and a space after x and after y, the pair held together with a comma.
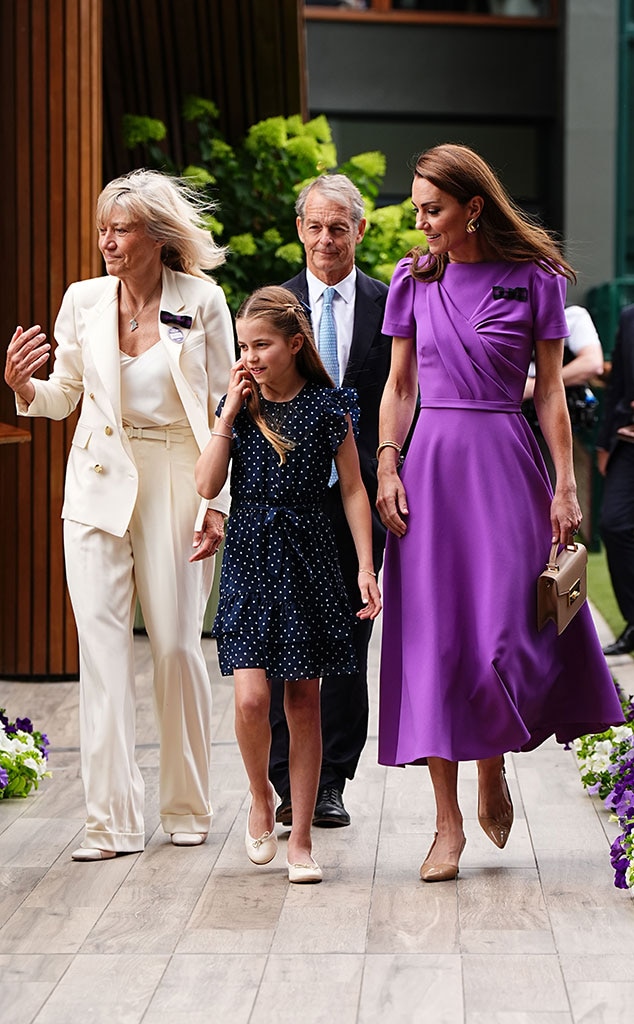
x: 176, y: 319
x: 517, y: 294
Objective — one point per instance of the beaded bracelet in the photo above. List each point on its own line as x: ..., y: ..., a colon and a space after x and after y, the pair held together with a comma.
x: 387, y: 444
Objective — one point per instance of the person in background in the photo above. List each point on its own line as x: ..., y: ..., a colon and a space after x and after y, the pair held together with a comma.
x: 615, y: 461
x: 347, y: 310
x: 583, y: 361
x: 465, y: 673
x: 147, y: 350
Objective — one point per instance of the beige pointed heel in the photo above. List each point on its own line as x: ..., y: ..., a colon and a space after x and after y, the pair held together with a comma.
x: 432, y: 871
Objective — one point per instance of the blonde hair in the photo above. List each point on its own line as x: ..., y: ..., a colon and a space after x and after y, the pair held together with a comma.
x: 285, y: 314
x: 507, y: 232
x: 170, y: 212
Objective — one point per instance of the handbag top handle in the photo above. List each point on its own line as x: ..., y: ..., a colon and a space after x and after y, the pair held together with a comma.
x: 552, y: 560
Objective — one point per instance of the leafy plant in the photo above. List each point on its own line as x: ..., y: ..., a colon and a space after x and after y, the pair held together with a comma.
x: 23, y: 756
x: 606, y: 763
x: 255, y: 186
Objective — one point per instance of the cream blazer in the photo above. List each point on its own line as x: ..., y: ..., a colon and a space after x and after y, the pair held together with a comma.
x: 101, y: 476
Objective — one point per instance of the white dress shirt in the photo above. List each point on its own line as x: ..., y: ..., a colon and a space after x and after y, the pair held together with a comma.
x: 343, y: 312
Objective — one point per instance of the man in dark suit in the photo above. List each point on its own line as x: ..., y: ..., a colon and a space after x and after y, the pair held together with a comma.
x: 330, y: 224
x: 615, y: 460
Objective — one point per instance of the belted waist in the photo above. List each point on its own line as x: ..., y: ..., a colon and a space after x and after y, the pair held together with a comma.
x: 470, y: 404
x: 170, y: 435
x: 281, y: 535
x: 269, y: 507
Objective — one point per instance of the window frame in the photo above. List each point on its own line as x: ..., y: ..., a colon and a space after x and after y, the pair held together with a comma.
x: 382, y: 11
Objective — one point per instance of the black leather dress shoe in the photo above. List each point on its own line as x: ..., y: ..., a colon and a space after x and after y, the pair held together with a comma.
x: 624, y: 644
x: 284, y: 811
x: 329, y: 810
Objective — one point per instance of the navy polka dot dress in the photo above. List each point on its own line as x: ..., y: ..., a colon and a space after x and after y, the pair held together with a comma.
x: 283, y: 605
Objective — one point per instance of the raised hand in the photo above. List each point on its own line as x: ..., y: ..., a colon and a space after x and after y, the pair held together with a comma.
x: 27, y: 351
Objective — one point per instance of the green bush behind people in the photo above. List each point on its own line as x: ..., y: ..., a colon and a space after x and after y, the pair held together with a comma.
x: 255, y: 185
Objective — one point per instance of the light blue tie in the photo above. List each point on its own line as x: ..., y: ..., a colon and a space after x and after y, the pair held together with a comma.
x: 328, y: 336
x: 328, y: 348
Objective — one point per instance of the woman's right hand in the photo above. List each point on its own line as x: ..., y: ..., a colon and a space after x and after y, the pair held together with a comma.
x: 27, y: 351
x: 391, y: 502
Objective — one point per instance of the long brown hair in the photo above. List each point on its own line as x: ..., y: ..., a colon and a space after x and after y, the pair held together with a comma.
x: 285, y: 314
x: 508, y: 233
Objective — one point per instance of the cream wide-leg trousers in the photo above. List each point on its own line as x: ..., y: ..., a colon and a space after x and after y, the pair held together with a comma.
x: 105, y: 574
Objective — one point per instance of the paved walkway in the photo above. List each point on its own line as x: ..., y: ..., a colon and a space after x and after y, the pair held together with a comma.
x: 534, y: 934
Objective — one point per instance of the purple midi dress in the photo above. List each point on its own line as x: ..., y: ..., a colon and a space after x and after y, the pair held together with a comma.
x: 465, y: 674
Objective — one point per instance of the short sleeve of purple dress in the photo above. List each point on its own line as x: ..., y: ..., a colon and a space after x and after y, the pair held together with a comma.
x: 465, y: 674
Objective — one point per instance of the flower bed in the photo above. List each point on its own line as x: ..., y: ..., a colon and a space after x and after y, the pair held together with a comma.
x: 606, y: 762
x: 23, y: 756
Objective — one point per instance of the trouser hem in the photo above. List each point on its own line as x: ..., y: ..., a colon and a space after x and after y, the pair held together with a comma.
x: 119, y: 842
x: 186, y: 822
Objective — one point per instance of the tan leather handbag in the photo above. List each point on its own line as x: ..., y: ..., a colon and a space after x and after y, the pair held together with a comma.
x: 562, y: 586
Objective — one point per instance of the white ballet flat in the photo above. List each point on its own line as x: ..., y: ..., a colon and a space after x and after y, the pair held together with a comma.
x: 90, y: 853
x: 188, y: 838
x: 304, y: 873
x: 263, y: 849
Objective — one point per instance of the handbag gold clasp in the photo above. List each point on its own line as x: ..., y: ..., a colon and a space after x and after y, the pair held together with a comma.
x: 574, y: 592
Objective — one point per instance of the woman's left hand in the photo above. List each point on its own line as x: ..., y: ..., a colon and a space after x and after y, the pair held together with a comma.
x: 565, y: 517
x: 208, y: 540
x: 370, y: 595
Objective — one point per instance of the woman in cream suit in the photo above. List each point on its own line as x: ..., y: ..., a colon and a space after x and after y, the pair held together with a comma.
x: 148, y: 350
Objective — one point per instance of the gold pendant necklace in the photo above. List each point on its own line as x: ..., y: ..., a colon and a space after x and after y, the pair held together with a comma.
x: 133, y: 321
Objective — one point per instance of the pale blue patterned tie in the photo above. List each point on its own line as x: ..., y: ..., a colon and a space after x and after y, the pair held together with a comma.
x: 328, y: 348
x: 328, y: 336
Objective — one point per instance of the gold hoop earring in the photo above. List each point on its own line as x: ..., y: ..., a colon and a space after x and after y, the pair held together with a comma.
x: 472, y: 226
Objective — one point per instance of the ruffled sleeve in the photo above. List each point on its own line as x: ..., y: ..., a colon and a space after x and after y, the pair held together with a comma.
x: 399, y: 321
x: 339, y: 403
x: 548, y: 297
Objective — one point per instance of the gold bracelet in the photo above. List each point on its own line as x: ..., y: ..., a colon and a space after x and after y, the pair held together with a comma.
x: 230, y: 425
x: 387, y: 444
x: 368, y: 571
x: 217, y: 433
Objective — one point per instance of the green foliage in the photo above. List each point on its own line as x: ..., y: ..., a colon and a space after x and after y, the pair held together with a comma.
x: 255, y: 186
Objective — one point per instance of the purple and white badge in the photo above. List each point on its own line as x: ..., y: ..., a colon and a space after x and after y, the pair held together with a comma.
x: 176, y: 335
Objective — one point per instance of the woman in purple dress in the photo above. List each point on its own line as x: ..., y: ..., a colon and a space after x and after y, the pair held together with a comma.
x: 465, y: 674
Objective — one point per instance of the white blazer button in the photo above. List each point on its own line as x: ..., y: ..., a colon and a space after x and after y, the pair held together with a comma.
x: 98, y: 468
x: 91, y: 396
x: 108, y: 431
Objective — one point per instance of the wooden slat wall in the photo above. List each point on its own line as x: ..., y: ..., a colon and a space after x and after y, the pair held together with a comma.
x: 56, y: 119
x: 50, y: 54
x: 246, y: 55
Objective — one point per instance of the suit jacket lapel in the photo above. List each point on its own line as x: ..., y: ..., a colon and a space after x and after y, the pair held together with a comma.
x: 172, y: 302
x: 102, y: 338
x: 367, y: 322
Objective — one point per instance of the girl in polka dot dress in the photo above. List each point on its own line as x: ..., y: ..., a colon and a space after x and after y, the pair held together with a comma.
x: 283, y: 611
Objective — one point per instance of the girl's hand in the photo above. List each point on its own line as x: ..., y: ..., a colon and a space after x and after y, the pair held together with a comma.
x: 239, y: 389
x: 27, y: 351
x: 370, y: 595
x: 565, y: 517
x: 391, y: 502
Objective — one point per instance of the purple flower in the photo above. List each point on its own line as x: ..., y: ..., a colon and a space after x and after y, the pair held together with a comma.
x: 619, y: 862
x: 24, y: 724
x: 4, y: 777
